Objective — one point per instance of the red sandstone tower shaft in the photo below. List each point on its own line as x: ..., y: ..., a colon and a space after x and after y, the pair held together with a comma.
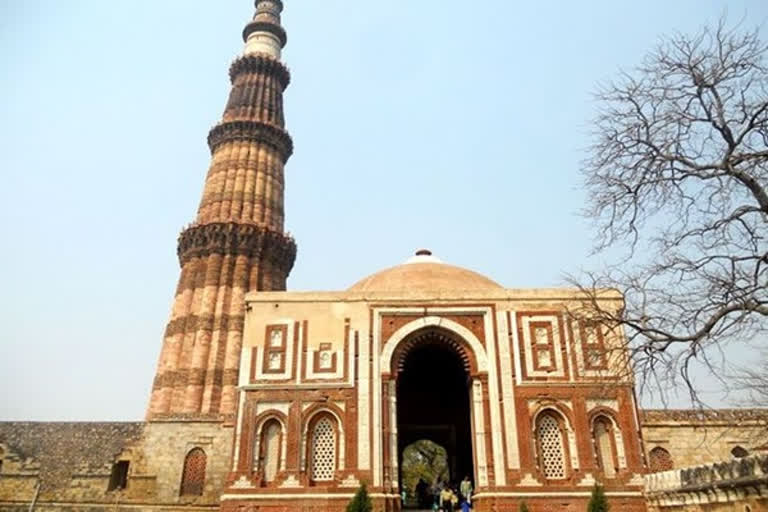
x: 237, y: 243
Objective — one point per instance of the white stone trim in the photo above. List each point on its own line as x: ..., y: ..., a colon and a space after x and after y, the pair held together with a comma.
x: 260, y: 350
x: 351, y: 356
x: 554, y: 494
x: 477, y: 411
x: 299, y: 350
x: 338, y: 374
x: 516, y: 348
x: 238, y: 430
x: 243, y: 483
x: 393, y: 433
x: 497, y: 444
x: 316, y: 496
x: 432, y: 321
x: 377, y: 455
x: 282, y: 407
x: 557, y: 341
x: 292, y: 386
x: 363, y: 404
x: 568, y: 348
x: 507, y: 392
x: 264, y: 42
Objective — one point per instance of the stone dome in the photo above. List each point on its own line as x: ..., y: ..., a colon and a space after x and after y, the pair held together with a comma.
x: 424, y: 273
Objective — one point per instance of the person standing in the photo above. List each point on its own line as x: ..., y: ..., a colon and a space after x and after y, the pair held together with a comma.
x: 465, y: 488
x: 446, y: 499
x: 422, y: 493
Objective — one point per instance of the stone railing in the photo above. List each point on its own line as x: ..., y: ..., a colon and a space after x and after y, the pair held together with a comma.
x: 663, y: 481
x: 720, y: 482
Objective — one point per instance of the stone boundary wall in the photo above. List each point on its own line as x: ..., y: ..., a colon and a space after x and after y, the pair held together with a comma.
x: 698, y: 437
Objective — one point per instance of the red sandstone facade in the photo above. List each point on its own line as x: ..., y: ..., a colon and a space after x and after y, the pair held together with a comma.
x: 364, y: 337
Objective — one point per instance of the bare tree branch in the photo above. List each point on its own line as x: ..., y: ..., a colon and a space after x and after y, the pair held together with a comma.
x: 677, y: 178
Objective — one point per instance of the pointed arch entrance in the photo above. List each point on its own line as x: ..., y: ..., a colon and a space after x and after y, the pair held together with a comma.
x: 433, y: 399
x: 432, y: 379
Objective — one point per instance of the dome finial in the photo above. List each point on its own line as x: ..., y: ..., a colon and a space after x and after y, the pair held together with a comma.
x: 423, y: 256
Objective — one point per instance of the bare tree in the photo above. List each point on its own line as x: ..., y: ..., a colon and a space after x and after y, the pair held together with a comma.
x: 752, y: 381
x: 676, y: 183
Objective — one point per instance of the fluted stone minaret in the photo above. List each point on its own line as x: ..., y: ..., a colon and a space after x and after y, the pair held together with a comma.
x: 237, y: 243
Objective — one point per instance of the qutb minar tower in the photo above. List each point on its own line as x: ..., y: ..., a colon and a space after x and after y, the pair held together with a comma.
x: 237, y: 242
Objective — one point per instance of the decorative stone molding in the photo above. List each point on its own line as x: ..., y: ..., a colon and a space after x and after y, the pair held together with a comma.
x: 258, y: 63
x: 291, y: 482
x: 528, y: 480
x: 237, y: 239
x: 263, y: 26
x: 724, y: 482
x: 254, y: 131
x: 242, y: 483
x: 350, y: 481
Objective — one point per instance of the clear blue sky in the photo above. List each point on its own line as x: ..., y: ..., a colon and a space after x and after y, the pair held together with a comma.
x: 443, y: 124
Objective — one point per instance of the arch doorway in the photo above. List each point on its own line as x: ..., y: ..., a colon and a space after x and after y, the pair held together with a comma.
x: 433, y: 401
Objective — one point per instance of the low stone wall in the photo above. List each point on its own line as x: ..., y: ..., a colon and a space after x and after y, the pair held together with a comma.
x: 696, y: 437
x: 68, y: 466
x: 736, y: 485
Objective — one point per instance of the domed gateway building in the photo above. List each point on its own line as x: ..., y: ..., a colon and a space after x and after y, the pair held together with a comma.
x: 273, y: 401
x: 335, y: 385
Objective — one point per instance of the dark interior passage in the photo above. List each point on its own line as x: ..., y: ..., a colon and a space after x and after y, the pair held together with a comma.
x: 433, y: 403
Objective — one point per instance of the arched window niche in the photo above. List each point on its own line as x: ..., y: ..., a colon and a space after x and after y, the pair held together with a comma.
x: 659, y: 459
x: 739, y: 452
x: 322, y: 448
x: 551, y: 445
x: 604, y: 442
x: 268, y: 451
x: 193, y: 474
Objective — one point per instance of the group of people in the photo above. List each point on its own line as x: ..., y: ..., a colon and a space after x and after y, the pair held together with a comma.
x: 445, y: 497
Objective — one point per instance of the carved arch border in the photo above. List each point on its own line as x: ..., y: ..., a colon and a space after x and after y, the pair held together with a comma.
x: 306, y: 420
x: 618, y: 437
x: 461, y: 339
x: 565, y: 412
x: 259, y: 422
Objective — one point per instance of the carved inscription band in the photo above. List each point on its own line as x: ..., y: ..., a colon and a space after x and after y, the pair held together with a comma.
x: 260, y: 64
x: 253, y: 131
x: 241, y: 239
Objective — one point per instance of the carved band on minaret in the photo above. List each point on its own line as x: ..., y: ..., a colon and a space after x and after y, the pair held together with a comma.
x: 237, y: 239
x: 260, y: 64
x: 253, y: 131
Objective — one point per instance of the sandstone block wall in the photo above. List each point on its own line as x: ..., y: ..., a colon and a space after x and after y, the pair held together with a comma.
x: 71, y: 461
x: 68, y: 466
x: 700, y: 437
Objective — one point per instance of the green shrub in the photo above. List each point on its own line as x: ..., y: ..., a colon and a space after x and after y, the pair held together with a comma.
x: 523, y: 507
x: 598, y: 502
x: 361, y: 502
